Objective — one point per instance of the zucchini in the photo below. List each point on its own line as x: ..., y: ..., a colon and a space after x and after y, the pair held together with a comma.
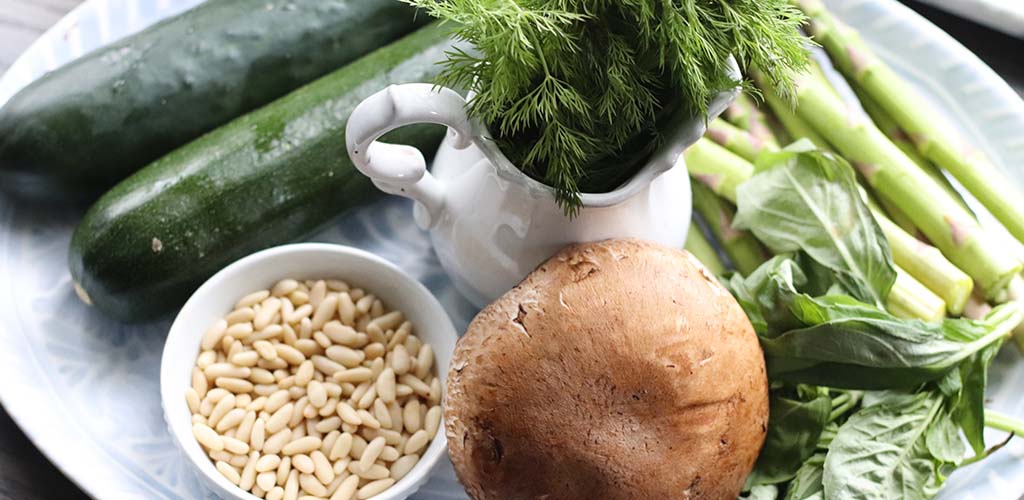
x: 269, y: 177
x: 80, y: 129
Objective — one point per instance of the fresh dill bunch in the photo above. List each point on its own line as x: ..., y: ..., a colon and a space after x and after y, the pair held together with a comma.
x: 576, y: 91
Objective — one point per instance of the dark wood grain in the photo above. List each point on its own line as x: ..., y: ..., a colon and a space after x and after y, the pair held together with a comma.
x: 25, y: 474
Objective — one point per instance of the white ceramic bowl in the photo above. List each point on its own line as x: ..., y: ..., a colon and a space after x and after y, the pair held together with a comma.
x: 261, y: 270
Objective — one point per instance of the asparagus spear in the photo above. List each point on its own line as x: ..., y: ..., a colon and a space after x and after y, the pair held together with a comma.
x: 717, y: 167
x: 932, y: 137
x: 898, y: 179
x: 794, y: 125
x: 739, y: 141
x: 745, y: 252
x: 745, y: 114
x: 927, y: 264
x: 701, y: 248
x: 909, y: 298
x: 895, y: 133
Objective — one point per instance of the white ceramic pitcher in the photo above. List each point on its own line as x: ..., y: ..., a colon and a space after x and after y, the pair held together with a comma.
x: 490, y: 223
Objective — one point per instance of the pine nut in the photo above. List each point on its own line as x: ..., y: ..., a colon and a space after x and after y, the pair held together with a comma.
x: 236, y: 385
x: 239, y: 331
x: 207, y: 437
x: 371, y: 453
x: 300, y: 312
x: 374, y: 350
x: 347, y: 489
x: 368, y: 419
x: 346, y: 356
x: 341, y: 447
x: 322, y: 340
x: 290, y: 354
x: 276, y: 441
x: 303, y: 464
x: 317, y: 292
x: 358, y: 446
x: 226, y: 404
x: 416, y: 442
x: 258, y: 436
x: 361, y: 374
x: 424, y: 361
x: 390, y: 454
x: 228, y: 471
x: 374, y: 488
x: 284, y: 287
x: 316, y: 392
x: 380, y: 412
x: 386, y: 385
x: 283, y: 470
x: 206, y: 358
x: 213, y: 335
x: 192, y: 400
x: 243, y: 315
x: 280, y: 418
x: 329, y: 424
x: 230, y: 420
x: 434, y: 396
x: 402, y: 466
x: 312, y: 485
x: 341, y: 334
x: 291, y: 486
x: 400, y: 361
x: 301, y: 445
x: 324, y: 311
x: 268, y: 463
x: 218, y: 370
x: 304, y: 374
x: 417, y: 384
x: 400, y: 336
x: 276, y: 400
x: 432, y: 421
x: 266, y: 480
x: 411, y: 416
x: 268, y: 309
x: 265, y: 349
x: 323, y: 469
x: 235, y: 446
x: 277, y: 493
x: 252, y: 299
x: 245, y: 358
x: 348, y: 414
x: 261, y: 376
x: 248, y: 477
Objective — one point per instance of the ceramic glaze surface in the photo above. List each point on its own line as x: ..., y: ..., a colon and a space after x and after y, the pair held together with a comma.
x: 491, y: 224
x: 86, y: 389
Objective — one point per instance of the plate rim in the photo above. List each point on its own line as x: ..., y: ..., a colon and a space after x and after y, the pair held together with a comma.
x: 93, y: 485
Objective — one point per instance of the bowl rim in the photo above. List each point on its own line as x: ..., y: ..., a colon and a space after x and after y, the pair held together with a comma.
x: 177, y: 333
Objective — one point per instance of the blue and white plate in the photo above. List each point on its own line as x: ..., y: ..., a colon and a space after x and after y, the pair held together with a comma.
x: 86, y: 389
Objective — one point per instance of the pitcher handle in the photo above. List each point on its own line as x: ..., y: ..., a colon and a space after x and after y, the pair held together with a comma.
x: 396, y: 168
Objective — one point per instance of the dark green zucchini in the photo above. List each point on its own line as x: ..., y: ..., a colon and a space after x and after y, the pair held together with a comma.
x: 82, y: 128
x: 267, y: 178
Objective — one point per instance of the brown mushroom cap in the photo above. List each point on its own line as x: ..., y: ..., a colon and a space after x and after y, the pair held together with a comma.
x: 619, y: 369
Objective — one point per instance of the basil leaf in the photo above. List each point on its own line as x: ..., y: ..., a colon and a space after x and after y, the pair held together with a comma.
x: 969, y: 409
x: 794, y: 429
x: 807, y: 483
x: 881, y: 452
x: 852, y: 345
x: 943, y: 440
x: 810, y: 201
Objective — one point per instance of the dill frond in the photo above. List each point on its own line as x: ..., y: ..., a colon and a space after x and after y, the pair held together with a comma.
x: 574, y: 91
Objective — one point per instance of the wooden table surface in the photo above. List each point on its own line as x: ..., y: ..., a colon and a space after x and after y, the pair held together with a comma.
x: 25, y: 474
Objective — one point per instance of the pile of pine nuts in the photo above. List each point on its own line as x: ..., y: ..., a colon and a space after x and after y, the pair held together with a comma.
x: 314, y: 390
